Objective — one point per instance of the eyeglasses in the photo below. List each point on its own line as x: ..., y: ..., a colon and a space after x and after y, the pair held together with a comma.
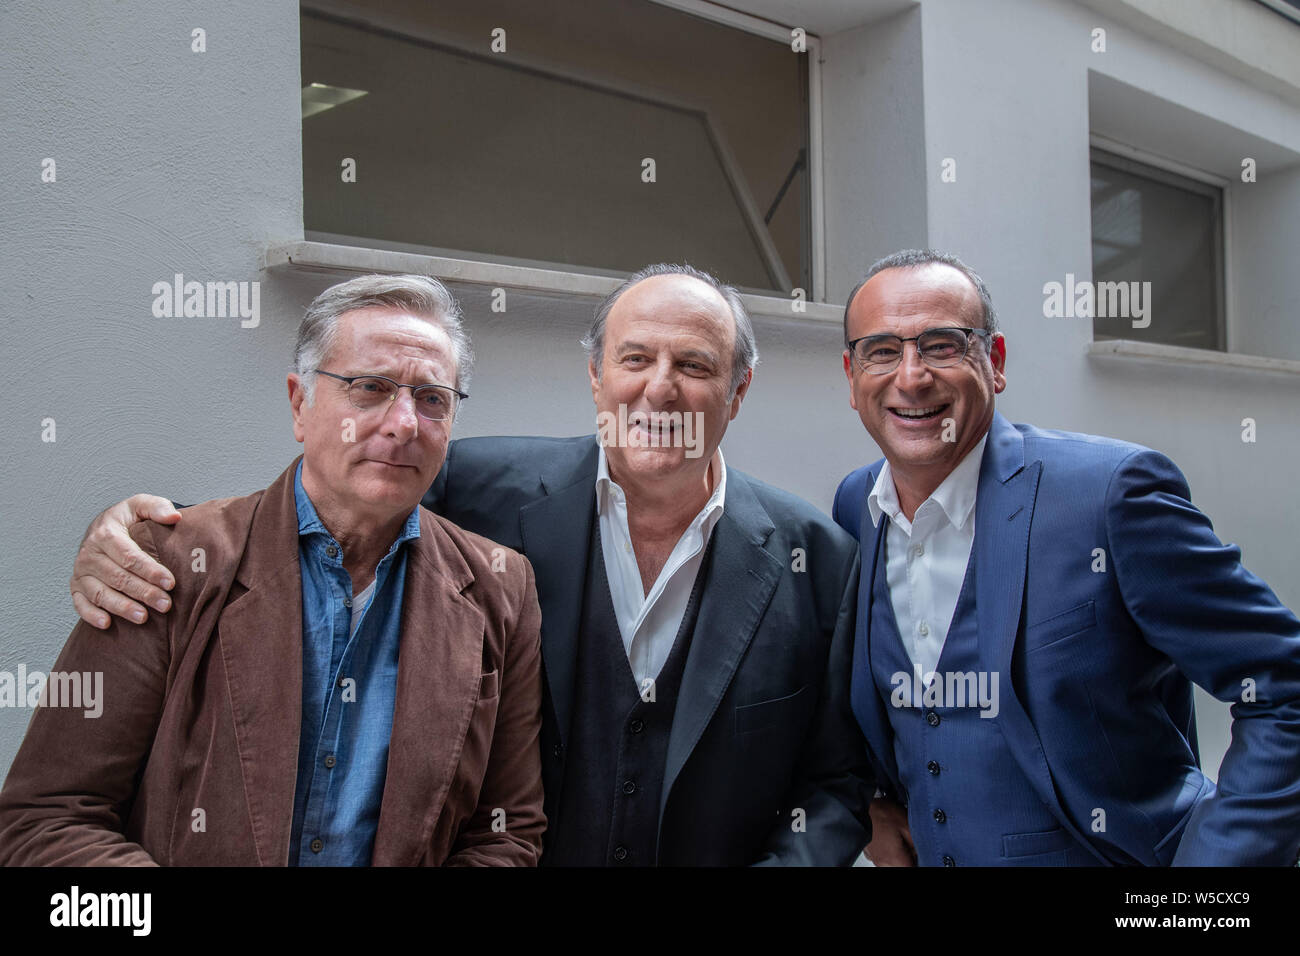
x: 436, y: 403
x: 938, y: 348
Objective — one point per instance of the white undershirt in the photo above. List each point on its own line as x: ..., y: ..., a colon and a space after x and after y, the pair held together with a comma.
x: 649, y: 623
x: 359, y: 604
x: 926, y: 558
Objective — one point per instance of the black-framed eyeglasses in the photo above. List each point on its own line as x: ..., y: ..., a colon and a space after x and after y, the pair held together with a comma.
x: 436, y: 403
x: 938, y: 348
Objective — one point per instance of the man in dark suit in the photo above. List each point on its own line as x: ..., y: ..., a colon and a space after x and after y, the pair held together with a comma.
x: 696, y: 623
x: 1033, y: 607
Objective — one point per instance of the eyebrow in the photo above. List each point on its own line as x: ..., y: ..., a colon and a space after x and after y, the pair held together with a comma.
x: 707, y: 357
x: 393, y: 378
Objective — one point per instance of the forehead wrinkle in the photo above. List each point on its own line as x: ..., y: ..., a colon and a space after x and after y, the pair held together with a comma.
x: 937, y: 306
x: 681, y: 302
x: 388, y: 351
x: 689, y: 351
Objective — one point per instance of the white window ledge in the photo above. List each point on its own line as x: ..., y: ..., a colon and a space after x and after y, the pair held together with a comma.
x: 328, y: 257
x: 1121, y: 349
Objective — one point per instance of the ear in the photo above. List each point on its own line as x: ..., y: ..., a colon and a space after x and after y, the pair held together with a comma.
x: 741, y: 390
x: 593, y: 374
x: 297, y: 404
x: 998, y: 356
x: 848, y: 373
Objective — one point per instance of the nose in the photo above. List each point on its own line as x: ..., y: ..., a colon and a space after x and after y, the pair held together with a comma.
x: 661, y: 389
x: 912, y: 372
x: 401, y: 423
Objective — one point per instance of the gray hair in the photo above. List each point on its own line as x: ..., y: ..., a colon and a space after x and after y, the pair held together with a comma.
x: 422, y: 296
x: 912, y: 258
x: 745, y: 353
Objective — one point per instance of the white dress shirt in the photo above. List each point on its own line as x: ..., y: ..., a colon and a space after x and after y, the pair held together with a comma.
x: 649, y: 623
x: 926, y: 558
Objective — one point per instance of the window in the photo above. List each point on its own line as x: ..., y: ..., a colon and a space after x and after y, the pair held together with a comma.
x: 1157, y: 237
x: 539, y: 152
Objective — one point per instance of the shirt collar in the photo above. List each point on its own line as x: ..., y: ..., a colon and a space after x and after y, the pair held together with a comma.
x: 607, y: 487
x: 309, y: 522
x: 955, y: 494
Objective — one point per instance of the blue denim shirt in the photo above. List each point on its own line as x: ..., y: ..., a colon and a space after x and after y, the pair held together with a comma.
x: 349, y: 688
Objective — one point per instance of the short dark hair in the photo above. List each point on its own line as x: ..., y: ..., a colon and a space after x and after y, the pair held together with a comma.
x: 912, y: 258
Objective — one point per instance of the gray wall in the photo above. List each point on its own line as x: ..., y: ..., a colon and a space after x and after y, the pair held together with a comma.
x: 167, y: 161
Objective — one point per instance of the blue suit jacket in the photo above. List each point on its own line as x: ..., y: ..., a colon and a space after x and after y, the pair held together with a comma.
x: 763, y: 726
x: 1093, y: 665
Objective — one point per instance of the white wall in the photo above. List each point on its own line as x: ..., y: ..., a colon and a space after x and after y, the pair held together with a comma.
x: 167, y: 161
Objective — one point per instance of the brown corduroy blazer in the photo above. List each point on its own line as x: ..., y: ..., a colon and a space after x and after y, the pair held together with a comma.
x: 202, y: 709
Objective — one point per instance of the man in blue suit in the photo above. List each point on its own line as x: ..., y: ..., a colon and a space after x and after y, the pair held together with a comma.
x: 1033, y: 607
x: 697, y: 624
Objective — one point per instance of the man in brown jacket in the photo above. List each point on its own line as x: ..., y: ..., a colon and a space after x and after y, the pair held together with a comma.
x: 345, y: 678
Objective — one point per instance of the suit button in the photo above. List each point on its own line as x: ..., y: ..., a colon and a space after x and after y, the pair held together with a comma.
x: 629, y: 786
x: 933, y: 767
x: 949, y: 861
x: 940, y: 816
x: 637, y: 725
x: 620, y: 854
x: 317, y: 845
x: 932, y: 718
x: 558, y: 750
x: 330, y: 761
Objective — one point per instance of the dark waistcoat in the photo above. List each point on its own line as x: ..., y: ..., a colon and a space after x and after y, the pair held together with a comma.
x: 609, y: 810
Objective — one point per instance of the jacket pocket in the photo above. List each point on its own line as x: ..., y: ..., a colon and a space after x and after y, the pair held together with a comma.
x: 766, y: 713
x: 488, y: 685
x: 1060, y: 626
x: 1034, y: 844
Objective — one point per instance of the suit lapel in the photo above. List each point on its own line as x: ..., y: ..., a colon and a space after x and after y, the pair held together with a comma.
x: 867, y: 706
x: 439, y: 670
x: 556, y: 533
x: 741, y: 579
x: 260, y: 635
x: 1004, y: 511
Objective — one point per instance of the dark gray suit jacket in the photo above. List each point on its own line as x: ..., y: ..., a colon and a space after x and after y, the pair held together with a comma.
x: 765, y: 761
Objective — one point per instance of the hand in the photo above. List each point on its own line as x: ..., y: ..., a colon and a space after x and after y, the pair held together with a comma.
x: 891, y: 840
x: 111, y: 569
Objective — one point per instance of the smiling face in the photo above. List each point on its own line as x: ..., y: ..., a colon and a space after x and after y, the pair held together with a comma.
x: 377, y: 469
x: 669, y: 343
x: 906, y: 302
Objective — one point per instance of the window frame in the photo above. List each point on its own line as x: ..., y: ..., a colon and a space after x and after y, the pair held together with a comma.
x: 345, y: 11
x: 1169, y: 172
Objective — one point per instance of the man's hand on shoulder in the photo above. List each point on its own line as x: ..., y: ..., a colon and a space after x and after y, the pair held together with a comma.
x: 111, y: 573
x: 891, y: 839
